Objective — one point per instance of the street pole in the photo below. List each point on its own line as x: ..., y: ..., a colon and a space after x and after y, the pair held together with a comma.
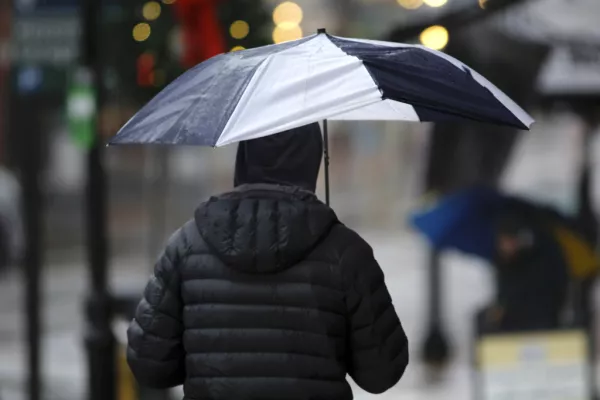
x: 25, y: 130
x: 27, y: 121
x: 99, y: 338
x: 436, y: 348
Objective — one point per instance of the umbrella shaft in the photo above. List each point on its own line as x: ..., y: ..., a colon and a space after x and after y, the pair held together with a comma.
x: 326, y: 160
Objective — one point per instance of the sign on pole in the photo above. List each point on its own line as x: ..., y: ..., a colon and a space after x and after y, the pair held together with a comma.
x: 572, y: 70
x: 46, y: 40
x: 81, y: 108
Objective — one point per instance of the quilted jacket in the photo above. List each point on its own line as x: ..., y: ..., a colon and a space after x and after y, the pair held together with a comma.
x: 266, y: 295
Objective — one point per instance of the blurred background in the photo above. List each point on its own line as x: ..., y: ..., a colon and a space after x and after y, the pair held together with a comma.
x: 81, y: 224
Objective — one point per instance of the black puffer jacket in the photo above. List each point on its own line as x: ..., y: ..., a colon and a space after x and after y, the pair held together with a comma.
x: 266, y: 295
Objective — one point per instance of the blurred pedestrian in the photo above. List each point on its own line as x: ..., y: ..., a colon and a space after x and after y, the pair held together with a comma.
x: 266, y: 294
x: 532, y: 278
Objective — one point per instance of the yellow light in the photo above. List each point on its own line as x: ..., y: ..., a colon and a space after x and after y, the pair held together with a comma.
x: 435, y: 3
x: 281, y: 35
x: 151, y: 10
x: 482, y: 3
x: 410, y: 4
x: 435, y: 37
x: 237, y: 48
x: 169, y: 1
x: 239, y: 29
x: 141, y: 32
x: 288, y: 15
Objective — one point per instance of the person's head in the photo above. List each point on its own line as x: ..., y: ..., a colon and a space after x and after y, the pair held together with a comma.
x: 508, y: 245
x: 291, y: 158
x: 512, y: 236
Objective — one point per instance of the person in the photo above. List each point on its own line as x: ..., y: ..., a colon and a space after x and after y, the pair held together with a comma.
x: 265, y: 294
x: 531, y: 275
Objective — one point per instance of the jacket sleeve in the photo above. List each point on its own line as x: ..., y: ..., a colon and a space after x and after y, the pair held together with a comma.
x: 378, y: 347
x: 155, y: 351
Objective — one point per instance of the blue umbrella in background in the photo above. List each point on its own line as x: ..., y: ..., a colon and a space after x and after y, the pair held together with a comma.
x: 463, y: 221
x: 467, y: 221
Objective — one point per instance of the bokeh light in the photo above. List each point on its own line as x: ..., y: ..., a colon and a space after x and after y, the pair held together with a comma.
x: 151, y: 10
x: 169, y: 1
x: 482, y: 3
x: 281, y: 35
x: 239, y: 29
x: 237, y: 48
x: 435, y: 3
x: 435, y: 37
x: 146, y: 60
x: 288, y: 15
x: 141, y: 32
x: 410, y: 4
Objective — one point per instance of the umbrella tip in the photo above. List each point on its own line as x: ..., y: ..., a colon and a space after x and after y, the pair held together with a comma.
x: 321, y: 30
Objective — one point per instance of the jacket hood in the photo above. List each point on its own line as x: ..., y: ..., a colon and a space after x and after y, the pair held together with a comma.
x: 263, y: 228
x: 291, y: 158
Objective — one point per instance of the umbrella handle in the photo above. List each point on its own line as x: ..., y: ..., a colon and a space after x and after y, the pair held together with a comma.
x: 326, y: 160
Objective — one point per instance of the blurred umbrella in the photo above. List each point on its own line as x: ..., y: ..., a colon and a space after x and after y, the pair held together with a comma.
x: 467, y: 222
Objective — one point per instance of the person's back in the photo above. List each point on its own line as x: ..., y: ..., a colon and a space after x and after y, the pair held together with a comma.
x: 266, y: 295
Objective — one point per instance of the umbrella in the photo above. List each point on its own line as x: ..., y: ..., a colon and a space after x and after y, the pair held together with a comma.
x: 258, y: 92
x: 465, y: 221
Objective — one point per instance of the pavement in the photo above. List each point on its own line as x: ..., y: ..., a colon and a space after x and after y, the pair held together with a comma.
x: 400, y: 254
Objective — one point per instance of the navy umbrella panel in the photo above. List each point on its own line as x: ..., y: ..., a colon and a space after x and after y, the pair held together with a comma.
x: 258, y: 92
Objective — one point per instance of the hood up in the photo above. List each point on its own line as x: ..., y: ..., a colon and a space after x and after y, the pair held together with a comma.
x: 262, y: 228
x: 291, y: 158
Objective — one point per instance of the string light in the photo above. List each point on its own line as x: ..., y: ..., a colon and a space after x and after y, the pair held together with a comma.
x: 410, y: 4
x: 281, y: 35
x: 239, y: 30
x: 151, y: 10
x: 141, y: 32
x: 288, y: 15
x: 435, y: 3
x: 435, y: 37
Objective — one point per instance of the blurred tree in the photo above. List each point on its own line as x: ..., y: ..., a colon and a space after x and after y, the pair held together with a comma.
x: 149, y: 43
x: 139, y: 50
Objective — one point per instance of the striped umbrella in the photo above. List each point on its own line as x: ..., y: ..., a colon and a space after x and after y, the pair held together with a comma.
x: 258, y: 92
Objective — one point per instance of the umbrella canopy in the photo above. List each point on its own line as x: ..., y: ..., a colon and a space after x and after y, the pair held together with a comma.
x: 466, y: 221
x: 258, y: 92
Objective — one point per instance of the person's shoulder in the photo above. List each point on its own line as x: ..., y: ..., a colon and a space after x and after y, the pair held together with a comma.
x: 350, y: 242
x: 185, y: 241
